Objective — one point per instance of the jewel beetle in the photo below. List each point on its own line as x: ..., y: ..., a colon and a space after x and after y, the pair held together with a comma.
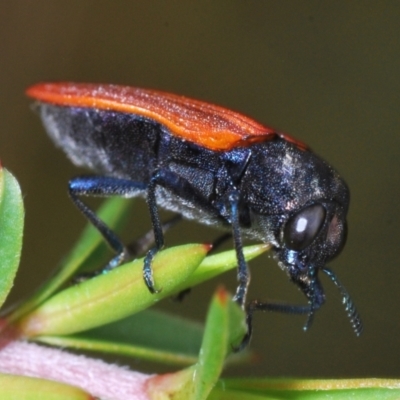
x: 208, y: 164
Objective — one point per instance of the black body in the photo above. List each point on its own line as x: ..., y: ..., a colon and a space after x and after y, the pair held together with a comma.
x: 271, y: 191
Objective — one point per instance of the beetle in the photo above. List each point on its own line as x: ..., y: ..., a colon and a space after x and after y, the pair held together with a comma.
x: 208, y: 164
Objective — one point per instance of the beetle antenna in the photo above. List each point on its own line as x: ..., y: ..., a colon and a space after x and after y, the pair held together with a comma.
x: 349, y: 305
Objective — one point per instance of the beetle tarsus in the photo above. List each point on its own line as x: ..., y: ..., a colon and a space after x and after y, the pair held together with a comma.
x: 148, y: 271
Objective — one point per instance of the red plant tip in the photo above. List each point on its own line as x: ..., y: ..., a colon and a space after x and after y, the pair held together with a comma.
x: 222, y: 295
x: 8, y: 333
x: 208, y: 247
x: 1, y: 164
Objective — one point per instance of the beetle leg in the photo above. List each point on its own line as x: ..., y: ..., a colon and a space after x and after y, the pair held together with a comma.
x: 140, y: 245
x: 104, y: 187
x: 256, y: 305
x: 158, y: 234
x: 243, y: 273
x: 180, y: 187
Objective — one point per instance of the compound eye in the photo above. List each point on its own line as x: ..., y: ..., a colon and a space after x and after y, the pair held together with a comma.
x: 301, y: 229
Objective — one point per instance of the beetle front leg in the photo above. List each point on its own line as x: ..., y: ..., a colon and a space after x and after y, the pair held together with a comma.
x: 102, y: 186
x: 256, y: 305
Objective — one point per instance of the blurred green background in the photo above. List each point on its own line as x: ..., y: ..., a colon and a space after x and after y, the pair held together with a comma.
x: 326, y: 72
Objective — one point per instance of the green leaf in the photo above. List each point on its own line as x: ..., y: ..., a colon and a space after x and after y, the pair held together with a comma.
x: 139, y: 336
x: 14, y: 387
x: 112, y: 296
x: 225, y: 327
x: 114, y: 213
x: 219, y: 263
x: 219, y: 393
x: 196, y: 382
x: 127, y: 350
x: 11, y: 229
x: 156, y: 329
x: 308, y: 389
x: 150, y: 335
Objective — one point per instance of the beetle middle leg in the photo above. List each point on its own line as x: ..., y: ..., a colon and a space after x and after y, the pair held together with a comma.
x: 243, y: 272
x: 180, y: 187
x: 140, y: 245
x: 158, y: 235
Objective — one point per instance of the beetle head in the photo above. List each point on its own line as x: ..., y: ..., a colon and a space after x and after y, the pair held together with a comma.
x: 300, y: 207
x: 308, y: 239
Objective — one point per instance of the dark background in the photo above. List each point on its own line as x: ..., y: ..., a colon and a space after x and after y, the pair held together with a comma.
x: 327, y: 72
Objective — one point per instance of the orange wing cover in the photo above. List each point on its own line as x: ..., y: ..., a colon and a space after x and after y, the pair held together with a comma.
x: 207, y: 125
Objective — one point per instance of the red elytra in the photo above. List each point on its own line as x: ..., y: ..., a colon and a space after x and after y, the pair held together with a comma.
x: 213, y: 127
